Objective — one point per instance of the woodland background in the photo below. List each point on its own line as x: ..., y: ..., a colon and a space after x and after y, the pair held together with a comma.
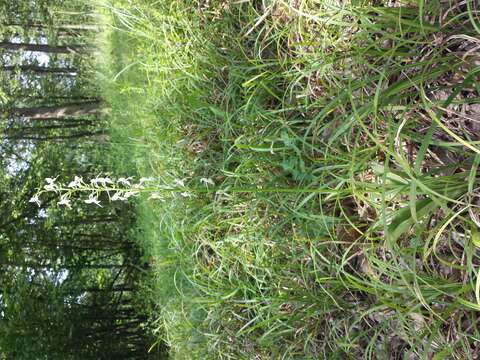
x: 69, y: 280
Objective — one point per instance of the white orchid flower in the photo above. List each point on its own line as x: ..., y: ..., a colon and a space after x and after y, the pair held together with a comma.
x: 101, y: 180
x: 66, y: 202
x: 51, y: 181
x: 35, y: 199
x: 92, y: 199
x: 77, y: 181
x: 124, y: 181
x: 50, y: 186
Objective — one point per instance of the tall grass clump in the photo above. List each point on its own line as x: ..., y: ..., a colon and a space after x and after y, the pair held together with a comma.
x: 354, y: 127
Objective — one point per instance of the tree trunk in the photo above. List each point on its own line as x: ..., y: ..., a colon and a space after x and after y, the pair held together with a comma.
x: 49, y: 49
x: 62, y: 111
x: 28, y: 130
x: 60, y: 137
x: 63, y: 27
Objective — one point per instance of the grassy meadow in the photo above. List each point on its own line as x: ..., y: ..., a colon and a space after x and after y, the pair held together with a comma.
x: 328, y: 151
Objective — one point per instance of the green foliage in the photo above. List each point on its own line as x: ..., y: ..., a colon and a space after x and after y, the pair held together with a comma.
x: 370, y: 103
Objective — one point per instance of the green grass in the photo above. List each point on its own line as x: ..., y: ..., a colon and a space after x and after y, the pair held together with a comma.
x: 342, y: 138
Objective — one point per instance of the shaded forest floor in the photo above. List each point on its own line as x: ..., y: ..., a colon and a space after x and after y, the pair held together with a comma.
x: 342, y: 140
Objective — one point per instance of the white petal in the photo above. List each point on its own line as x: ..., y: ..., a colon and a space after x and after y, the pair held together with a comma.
x: 35, y: 200
x: 50, y: 181
x: 65, y: 202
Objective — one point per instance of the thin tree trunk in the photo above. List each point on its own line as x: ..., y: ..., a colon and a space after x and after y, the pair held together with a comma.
x: 17, y: 133
x: 49, y: 49
x: 66, y: 137
x: 67, y: 110
x: 65, y: 28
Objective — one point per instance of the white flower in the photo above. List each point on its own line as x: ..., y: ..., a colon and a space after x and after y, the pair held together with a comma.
x: 118, y: 197
x: 76, y: 182
x: 186, y: 194
x: 50, y: 186
x: 50, y: 181
x: 207, y: 182
x: 65, y: 201
x: 101, y: 180
x: 124, y: 181
x: 92, y: 199
x: 35, y: 199
x: 107, y: 181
